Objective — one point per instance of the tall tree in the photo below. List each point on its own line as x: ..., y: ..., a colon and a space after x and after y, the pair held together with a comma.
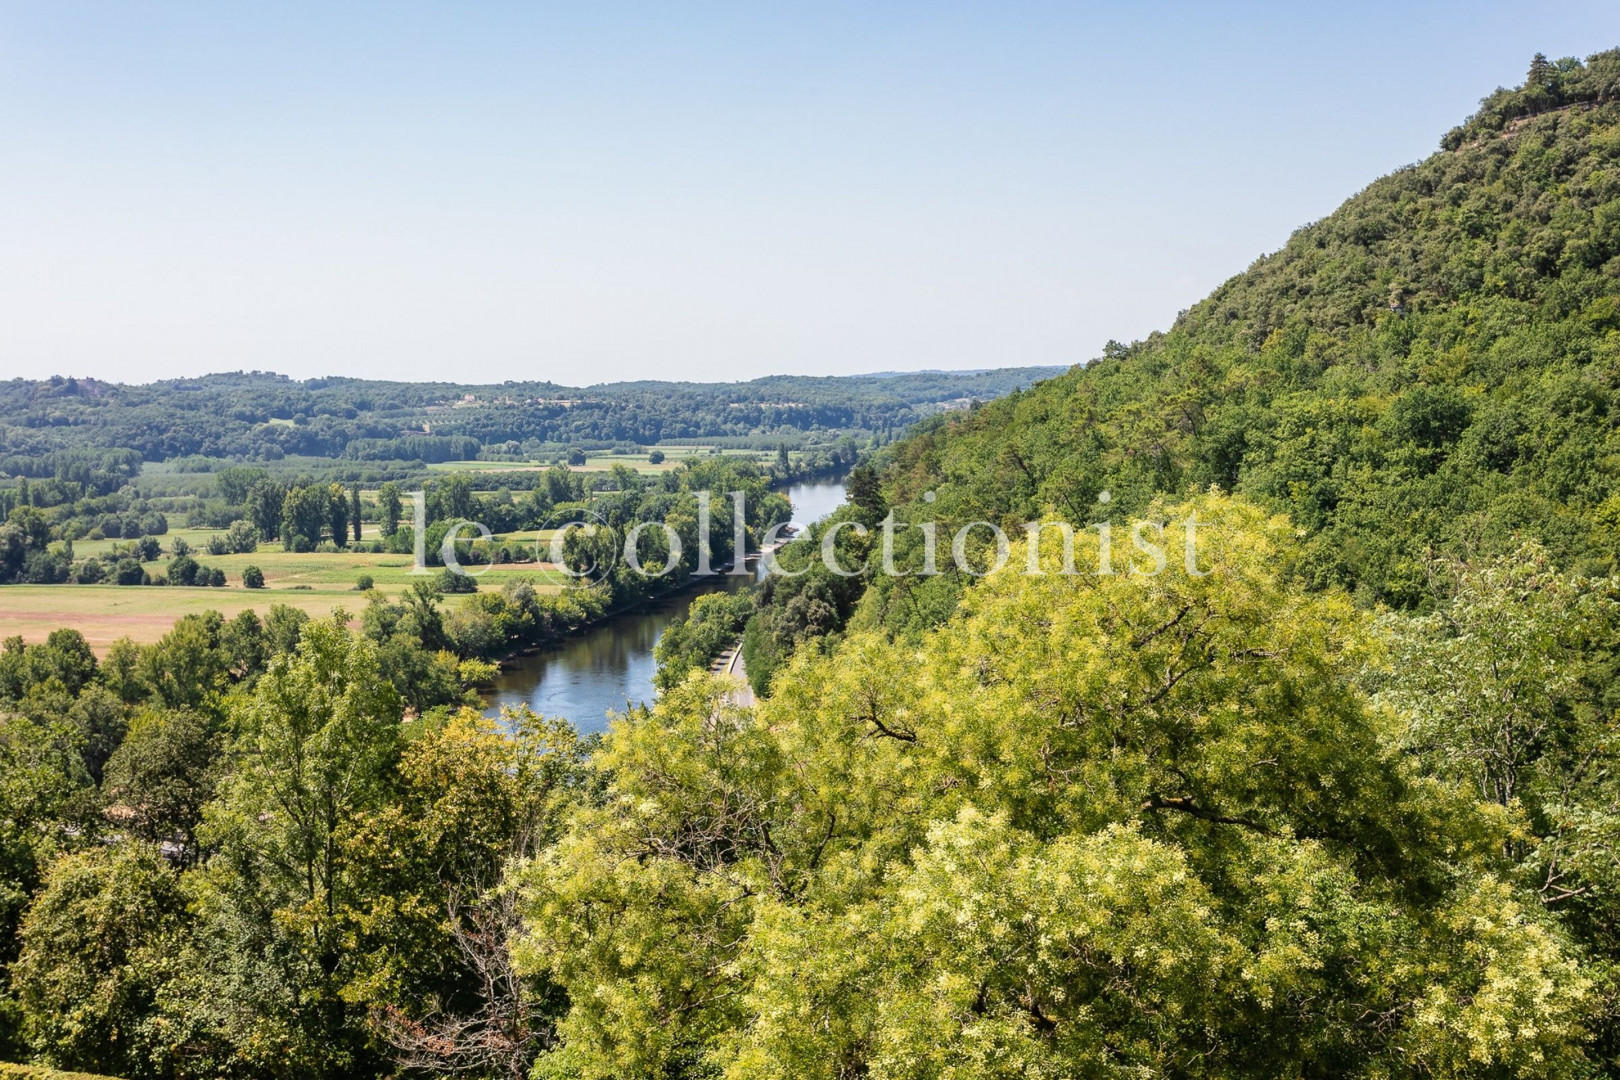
x: 388, y: 505
x: 186, y: 668
x: 1541, y: 70
x: 338, y: 514
x: 41, y: 778
x: 475, y: 798
x: 265, y: 505
x: 866, y: 492
x: 306, y: 510
x: 235, y: 483
x: 451, y: 498
x: 1510, y: 687
x: 95, y: 954
x: 162, y: 775
x: 316, y: 746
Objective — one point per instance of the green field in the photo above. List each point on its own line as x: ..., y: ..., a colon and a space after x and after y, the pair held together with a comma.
x: 314, y: 582
x: 602, y: 462
x: 197, y: 538
x: 338, y: 571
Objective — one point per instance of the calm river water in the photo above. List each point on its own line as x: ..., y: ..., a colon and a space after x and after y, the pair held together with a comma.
x: 611, y: 666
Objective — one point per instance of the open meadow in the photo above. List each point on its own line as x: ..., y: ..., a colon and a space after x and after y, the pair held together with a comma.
x: 604, y: 461
x: 314, y: 582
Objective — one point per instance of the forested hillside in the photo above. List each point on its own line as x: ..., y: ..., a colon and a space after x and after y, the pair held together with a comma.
x: 1422, y: 387
x: 1434, y: 367
x: 260, y: 415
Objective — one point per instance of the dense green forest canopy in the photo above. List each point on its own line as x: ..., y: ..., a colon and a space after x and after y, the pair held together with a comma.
x: 1106, y: 826
x: 257, y: 414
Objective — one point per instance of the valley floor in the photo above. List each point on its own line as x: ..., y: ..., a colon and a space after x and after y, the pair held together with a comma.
x: 144, y: 613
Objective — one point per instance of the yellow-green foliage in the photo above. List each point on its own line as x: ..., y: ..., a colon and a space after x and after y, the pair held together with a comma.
x: 9, y: 1071
x: 1092, y: 826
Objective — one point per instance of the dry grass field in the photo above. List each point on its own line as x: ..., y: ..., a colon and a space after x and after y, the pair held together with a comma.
x: 105, y: 613
x: 316, y: 583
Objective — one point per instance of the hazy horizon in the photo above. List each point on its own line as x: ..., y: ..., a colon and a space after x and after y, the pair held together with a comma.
x: 422, y: 192
x: 895, y: 373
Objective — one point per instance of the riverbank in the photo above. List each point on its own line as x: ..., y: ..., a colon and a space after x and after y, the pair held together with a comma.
x: 732, y: 664
x: 692, y: 583
x: 610, y: 665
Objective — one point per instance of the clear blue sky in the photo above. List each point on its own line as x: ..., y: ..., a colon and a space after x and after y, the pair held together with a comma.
x: 595, y: 192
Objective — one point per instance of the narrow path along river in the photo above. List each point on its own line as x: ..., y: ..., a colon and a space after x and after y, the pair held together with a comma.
x: 610, y: 665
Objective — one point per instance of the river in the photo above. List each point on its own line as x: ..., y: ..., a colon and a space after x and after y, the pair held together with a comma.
x: 611, y: 665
